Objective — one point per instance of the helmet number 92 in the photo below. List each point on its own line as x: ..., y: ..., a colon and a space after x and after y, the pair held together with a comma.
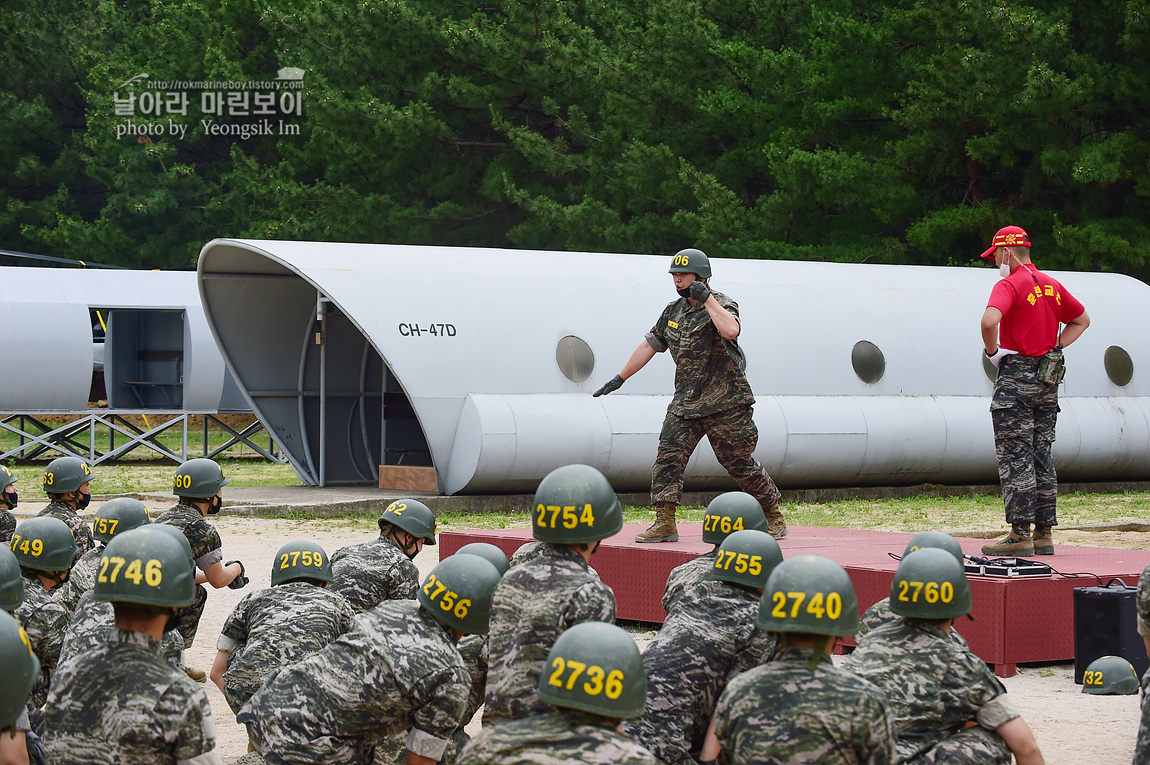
x: 722, y: 523
x: 150, y: 572
x: 820, y: 605
x: 598, y: 681
x: 566, y: 516
x: 931, y: 592
x: 308, y: 557
x: 448, y: 599
x: 744, y: 564
x: 33, y: 547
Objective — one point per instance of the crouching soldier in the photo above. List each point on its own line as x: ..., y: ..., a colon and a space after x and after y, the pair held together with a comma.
x: 396, y: 670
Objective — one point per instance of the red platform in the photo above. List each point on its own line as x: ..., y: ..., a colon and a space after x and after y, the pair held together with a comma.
x: 1017, y: 620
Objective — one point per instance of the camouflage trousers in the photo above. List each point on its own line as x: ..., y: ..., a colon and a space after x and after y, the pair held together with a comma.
x: 733, y: 436
x: 1142, y: 744
x: 190, y: 616
x: 974, y: 746
x: 1024, y: 413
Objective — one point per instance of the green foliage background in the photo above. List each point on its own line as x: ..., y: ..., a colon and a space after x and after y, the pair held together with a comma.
x: 894, y: 131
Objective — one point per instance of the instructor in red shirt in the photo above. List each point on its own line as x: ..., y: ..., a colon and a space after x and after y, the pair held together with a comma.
x: 1029, y: 319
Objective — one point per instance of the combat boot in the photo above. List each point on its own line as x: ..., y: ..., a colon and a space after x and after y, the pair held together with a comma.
x: 664, y: 529
x: 1043, y: 540
x: 196, y: 674
x: 776, y: 524
x: 1017, y: 542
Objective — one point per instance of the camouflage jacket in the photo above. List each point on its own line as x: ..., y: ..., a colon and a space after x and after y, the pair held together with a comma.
x: 934, y: 685
x: 880, y: 613
x: 92, y: 624
x: 558, y: 738
x: 709, y: 637
x: 784, y: 712
x: 7, y: 525
x: 688, y: 575
x: 532, y: 605
x: 1142, y: 742
x: 81, y: 578
x: 122, y: 703
x: 709, y: 376
x: 1142, y: 599
x: 397, y: 669
x: 272, y: 628
x: 535, y: 549
x: 81, y: 532
x: 207, y: 547
x: 370, y: 573
x: 45, y: 621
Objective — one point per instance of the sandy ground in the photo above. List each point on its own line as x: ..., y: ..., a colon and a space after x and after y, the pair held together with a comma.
x: 1072, y: 728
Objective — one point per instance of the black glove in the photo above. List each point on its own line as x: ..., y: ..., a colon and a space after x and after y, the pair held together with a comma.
x: 615, y: 383
x: 240, y: 581
x: 698, y: 291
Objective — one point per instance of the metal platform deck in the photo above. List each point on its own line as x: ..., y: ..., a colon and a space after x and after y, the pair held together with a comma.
x: 1017, y: 620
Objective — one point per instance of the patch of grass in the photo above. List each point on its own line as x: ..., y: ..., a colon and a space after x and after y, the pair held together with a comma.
x: 157, y: 476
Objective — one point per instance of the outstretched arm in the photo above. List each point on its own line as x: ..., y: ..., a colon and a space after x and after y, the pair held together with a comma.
x: 638, y: 360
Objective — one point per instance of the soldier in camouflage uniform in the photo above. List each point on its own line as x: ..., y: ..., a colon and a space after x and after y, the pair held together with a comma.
x: 199, y: 486
x: 371, y: 572
x: 800, y: 707
x: 712, y: 396
x: 66, y: 484
x: 1142, y: 746
x: 45, y: 549
x: 114, y: 516
x: 21, y: 667
x: 594, y: 679
x: 122, y: 702
x: 1030, y: 306
x: 8, y: 500
x: 709, y: 637
x: 575, y: 508
x: 281, y: 625
x: 727, y: 513
x: 879, y: 613
x: 946, y: 703
x: 396, y: 670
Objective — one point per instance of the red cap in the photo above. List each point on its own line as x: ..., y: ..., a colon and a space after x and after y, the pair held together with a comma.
x: 1008, y: 236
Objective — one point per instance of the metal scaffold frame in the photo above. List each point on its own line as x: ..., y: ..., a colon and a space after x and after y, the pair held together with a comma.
x: 37, y: 437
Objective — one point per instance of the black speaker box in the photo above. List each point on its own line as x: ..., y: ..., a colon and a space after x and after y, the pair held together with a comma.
x: 1105, y: 624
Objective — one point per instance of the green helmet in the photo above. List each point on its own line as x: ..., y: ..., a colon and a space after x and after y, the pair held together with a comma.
x: 412, y: 516
x: 300, y: 560
x: 44, y: 543
x: 116, y: 515
x: 200, y: 478
x: 146, y: 566
x: 7, y: 477
x: 595, y: 667
x: 574, y: 504
x: 1110, y: 675
x: 11, y: 582
x: 177, y: 534
x: 21, y: 669
x: 930, y: 584
x: 691, y: 261
x: 458, y: 593
x: 810, y: 594
x: 935, y: 539
x: 733, y: 511
x: 66, y: 474
x: 747, y: 557
x: 488, y: 552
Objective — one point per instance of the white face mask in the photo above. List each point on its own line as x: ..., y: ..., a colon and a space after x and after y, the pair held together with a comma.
x: 1004, y: 269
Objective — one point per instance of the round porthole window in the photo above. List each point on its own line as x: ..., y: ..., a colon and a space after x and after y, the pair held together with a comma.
x: 1119, y: 365
x: 575, y: 358
x: 868, y: 362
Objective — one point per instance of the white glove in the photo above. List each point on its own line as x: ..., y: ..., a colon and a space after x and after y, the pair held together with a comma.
x: 998, y: 356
